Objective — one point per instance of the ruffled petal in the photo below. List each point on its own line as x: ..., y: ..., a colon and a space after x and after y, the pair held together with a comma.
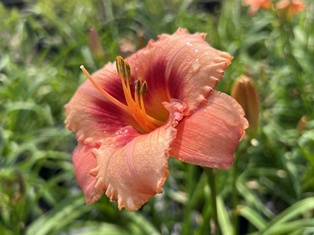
x: 210, y: 136
x: 93, y: 117
x: 132, y: 170
x: 181, y: 66
x: 83, y: 162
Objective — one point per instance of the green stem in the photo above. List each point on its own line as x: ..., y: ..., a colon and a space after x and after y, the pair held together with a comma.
x: 212, y: 185
x: 192, y: 192
x: 235, y: 197
x: 240, y: 154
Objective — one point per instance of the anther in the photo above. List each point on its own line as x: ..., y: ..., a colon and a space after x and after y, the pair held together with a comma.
x: 143, y: 89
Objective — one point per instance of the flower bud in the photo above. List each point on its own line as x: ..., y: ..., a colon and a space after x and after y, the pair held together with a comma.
x: 302, y: 123
x: 95, y: 44
x: 244, y: 92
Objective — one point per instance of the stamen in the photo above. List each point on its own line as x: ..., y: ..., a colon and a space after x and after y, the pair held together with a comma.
x: 143, y: 91
x: 135, y: 106
x: 123, y: 69
x: 102, y: 91
x: 137, y: 90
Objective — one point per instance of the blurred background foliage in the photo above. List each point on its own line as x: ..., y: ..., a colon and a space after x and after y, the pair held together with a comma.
x: 269, y: 190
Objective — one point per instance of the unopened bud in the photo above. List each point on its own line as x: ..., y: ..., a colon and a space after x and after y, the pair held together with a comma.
x: 244, y: 92
x: 95, y: 44
x: 302, y: 123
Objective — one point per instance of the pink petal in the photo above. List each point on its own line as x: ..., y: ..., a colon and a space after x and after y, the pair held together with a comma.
x: 131, y: 168
x: 84, y: 161
x: 210, y: 136
x: 181, y: 66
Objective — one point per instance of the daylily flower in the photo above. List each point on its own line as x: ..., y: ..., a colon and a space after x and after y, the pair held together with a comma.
x: 290, y: 7
x: 255, y: 5
x: 130, y: 116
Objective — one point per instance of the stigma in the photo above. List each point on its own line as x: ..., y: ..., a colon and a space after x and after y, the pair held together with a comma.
x: 134, y: 102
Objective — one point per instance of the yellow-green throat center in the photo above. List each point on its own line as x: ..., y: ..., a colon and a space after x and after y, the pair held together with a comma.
x: 134, y: 102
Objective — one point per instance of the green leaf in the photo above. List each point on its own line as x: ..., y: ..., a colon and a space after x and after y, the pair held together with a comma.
x: 223, y: 217
x: 293, y: 226
x: 253, y: 217
x: 59, y: 217
x: 296, y: 209
x: 96, y: 228
x: 142, y: 223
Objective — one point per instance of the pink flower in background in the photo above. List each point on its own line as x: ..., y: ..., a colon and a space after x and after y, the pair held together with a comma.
x: 132, y: 115
x: 291, y: 7
x: 255, y: 5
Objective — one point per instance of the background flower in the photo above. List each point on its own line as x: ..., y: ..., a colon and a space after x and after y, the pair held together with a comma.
x: 290, y: 7
x: 255, y: 5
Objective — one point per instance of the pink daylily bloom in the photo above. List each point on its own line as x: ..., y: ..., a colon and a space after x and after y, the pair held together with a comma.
x: 255, y: 5
x: 132, y: 115
x: 291, y: 7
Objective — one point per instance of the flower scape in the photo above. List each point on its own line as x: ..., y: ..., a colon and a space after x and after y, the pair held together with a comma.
x: 130, y: 116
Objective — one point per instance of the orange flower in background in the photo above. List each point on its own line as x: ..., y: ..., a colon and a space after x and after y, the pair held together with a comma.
x: 255, y: 5
x: 130, y: 116
x: 290, y: 7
